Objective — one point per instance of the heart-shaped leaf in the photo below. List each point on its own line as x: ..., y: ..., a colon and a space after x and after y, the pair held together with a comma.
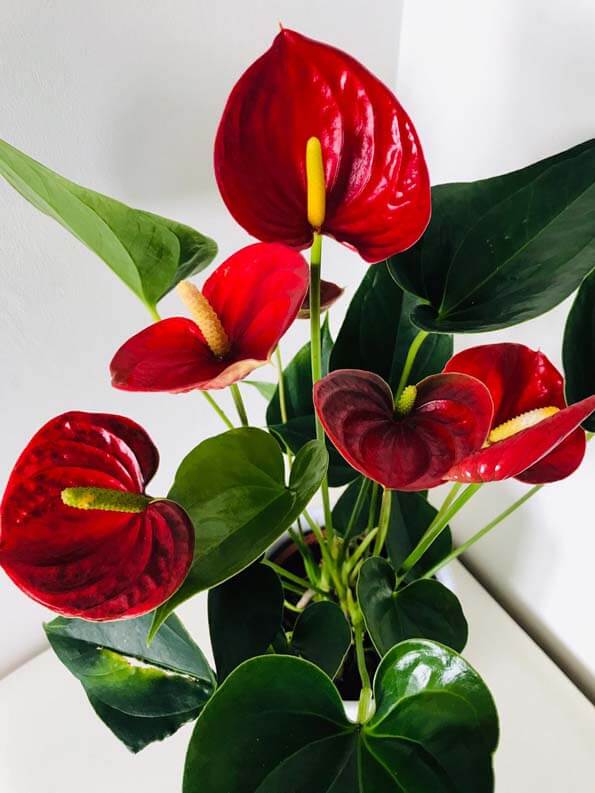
x: 410, y: 516
x: 423, y: 609
x: 278, y: 724
x: 245, y: 615
x: 300, y: 426
x: 149, y: 253
x: 504, y: 250
x: 233, y: 488
x: 142, y: 693
x: 377, y: 332
x: 579, y: 347
x: 322, y: 635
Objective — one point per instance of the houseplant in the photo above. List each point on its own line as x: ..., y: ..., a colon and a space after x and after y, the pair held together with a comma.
x: 309, y: 144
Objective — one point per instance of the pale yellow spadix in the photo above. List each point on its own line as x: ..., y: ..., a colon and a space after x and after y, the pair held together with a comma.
x: 315, y: 184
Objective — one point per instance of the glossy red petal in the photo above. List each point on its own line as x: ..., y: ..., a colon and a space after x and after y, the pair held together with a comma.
x: 378, y: 192
x: 451, y: 417
x: 559, y: 463
x: 513, y: 456
x: 518, y: 378
x: 329, y: 294
x: 256, y: 293
x: 91, y: 563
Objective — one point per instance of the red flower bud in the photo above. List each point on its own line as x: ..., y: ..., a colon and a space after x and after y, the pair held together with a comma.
x: 375, y: 196
x: 77, y: 532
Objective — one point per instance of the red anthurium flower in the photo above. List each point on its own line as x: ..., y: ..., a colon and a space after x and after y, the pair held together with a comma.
x: 411, y: 446
x: 77, y: 532
x: 372, y: 173
x: 244, y: 309
x: 329, y: 294
x: 535, y: 436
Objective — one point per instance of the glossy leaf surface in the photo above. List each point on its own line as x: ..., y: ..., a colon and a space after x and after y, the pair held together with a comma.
x: 322, y: 635
x: 150, y: 254
x: 376, y: 180
x: 506, y: 249
x: 284, y: 725
x: 245, y: 615
x: 450, y: 419
x: 377, y: 332
x: 300, y: 426
x: 92, y: 563
x: 423, y: 609
x: 232, y: 487
x: 579, y: 347
x: 142, y: 693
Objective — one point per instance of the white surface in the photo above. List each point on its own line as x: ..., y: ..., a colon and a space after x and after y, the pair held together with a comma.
x: 548, y: 728
x: 125, y: 99
x: 496, y: 85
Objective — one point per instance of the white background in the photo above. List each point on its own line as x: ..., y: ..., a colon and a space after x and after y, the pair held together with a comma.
x: 124, y: 97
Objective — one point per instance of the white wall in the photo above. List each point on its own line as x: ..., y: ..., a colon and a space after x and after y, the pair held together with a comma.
x: 125, y: 97
x: 493, y: 86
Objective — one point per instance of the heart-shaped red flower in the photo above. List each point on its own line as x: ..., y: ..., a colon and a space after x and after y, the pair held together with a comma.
x: 450, y: 417
x: 377, y: 184
x: 250, y: 300
x: 535, y: 436
x: 81, y: 561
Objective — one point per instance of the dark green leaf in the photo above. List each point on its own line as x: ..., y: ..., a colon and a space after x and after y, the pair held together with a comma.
x: 233, y: 488
x: 345, y: 505
x: 245, y: 615
x: 149, y: 253
x: 410, y: 516
x: 504, y: 250
x: 377, y: 332
x: 579, y: 347
x: 278, y: 724
x: 423, y: 609
x: 267, y: 390
x: 142, y: 693
x: 322, y: 635
x: 300, y: 426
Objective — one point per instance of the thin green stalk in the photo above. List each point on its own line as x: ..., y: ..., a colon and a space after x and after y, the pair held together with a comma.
x: 409, y: 361
x: 482, y: 532
x: 452, y: 493
x: 281, y: 386
x: 239, y: 403
x: 372, y: 509
x: 219, y: 411
x: 357, y: 508
x: 295, y: 579
x: 436, y: 528
x: 290, y: 607
x: 327, y: 558
x: 365, y: 698
x: 316, y: 359
x: 383, y: 521
x: 359, y: 551
x: 155, y: 316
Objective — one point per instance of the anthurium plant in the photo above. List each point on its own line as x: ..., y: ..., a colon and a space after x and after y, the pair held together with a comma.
x: 309, y: 609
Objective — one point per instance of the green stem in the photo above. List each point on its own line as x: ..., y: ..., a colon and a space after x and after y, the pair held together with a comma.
x: 316, y: 359
x: 410, y: 360
x: 372, y: 509
x: 383, y: 521
x: 155, y: 316
x: 359, y: 551
x: 281, y: 386
x: 327, y: 558
x: 295, y: 579
x: 365, y: 699
x: 482, y: 532
x: 290, y: 607
x: 219, y: 411
x: 239, y: 403
x: 437, y: 526
x: 357, y: 508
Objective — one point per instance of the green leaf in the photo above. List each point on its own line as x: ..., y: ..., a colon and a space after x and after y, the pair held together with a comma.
x: 278, y: 724
x: 150, y: 254
x: 579, y: 347
x: 245, y: 615
x: 300, y: 426
x: 267, y: 390
x: 410, y: 516
x: 322, y: 635
x: 377, y: 332
x: 423, y: 609
x: 504, y: 250
x: 142, y: 693
x: 233, y: 488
